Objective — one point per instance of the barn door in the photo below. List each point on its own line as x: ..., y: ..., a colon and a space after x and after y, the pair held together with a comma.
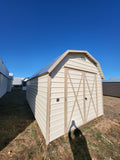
x: 74, y: 106
x: 90, y: 97
x: 80, y: 97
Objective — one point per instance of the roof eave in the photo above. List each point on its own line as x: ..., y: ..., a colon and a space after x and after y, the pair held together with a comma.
x: 38, y: 76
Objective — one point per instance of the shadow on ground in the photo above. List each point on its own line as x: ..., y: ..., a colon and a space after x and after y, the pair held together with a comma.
x: 15, y: 116
x: 78, y: 144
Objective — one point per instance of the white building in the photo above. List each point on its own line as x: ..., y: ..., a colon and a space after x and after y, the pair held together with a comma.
x: 24, y: 83
x: 5, y: 79
x: 17, y: 82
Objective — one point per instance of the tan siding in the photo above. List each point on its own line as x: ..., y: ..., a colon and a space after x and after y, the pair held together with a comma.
x: 100, y: 95
x: 77, y: 62
x: 57, y: 108
x: 57, y: 91
x: 37, y: 98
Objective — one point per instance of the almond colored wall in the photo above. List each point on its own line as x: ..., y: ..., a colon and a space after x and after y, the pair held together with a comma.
x: 36, y: 95
x: 75, y: 61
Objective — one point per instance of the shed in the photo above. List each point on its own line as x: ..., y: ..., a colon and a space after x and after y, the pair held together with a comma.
x: 66, y: 90
x: 24, y: 83
x: 10, y: 82
x: 5, y: 79
x: 17, y: 82
x: 111, y: 87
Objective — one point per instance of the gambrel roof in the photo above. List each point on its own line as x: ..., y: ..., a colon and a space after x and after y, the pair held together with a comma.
x: 51, y: 66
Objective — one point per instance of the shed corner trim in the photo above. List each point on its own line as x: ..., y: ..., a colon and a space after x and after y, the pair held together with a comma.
x: 48, y: 110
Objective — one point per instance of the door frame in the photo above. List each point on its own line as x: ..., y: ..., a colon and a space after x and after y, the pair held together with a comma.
x: 65, y: 94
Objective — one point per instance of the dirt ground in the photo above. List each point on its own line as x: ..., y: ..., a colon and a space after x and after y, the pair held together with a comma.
x: 21, y: 138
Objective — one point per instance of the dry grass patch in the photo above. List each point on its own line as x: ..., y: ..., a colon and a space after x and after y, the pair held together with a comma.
x: 99, y: 139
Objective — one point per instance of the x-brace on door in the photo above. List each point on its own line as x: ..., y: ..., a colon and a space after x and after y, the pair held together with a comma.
x: 80, y: 97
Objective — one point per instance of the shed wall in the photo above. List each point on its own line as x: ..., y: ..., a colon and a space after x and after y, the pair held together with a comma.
x: 3, y: 68
x: 80, y: 62
x: 57, y: 108
x: 3, y: 84
x: 111, y: 89
x: 4, y: 78
x: 37, y: 98
x: 100, y: 95
x: 57, y: 91
x: 9, y: 85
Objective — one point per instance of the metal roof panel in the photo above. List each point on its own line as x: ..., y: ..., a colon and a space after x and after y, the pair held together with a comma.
x: 43, y: 70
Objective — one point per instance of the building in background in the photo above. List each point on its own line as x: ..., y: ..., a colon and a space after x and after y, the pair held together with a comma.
x: 10, y: 82
x: 111, y: 87
x: 5, y: 79
x: 24, y: 83
x: 17, y: 82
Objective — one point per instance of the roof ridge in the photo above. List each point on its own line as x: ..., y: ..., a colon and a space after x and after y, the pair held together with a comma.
x: 50, y: 67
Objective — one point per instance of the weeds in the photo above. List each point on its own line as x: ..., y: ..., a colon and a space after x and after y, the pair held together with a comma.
x: 94, y: 145
x: 86, y: 127
x: 33, y: 132
x: 99, y: 136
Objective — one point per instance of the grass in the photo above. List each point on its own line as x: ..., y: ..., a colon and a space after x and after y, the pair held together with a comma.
x: 86, y: 127
x: 94, y: 145
x: 99, y: 135
x: 23, y: 136
x: 33, y: 131
x: 15, y: 116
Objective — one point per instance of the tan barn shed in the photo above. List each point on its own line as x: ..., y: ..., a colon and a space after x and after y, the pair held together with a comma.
x: 69, y: 88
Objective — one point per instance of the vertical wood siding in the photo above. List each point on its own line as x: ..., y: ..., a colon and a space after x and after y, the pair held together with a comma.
x: 36, y: 95
x: 57, y: 92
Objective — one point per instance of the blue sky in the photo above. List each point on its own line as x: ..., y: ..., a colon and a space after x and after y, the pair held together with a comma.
x: 35, y: 32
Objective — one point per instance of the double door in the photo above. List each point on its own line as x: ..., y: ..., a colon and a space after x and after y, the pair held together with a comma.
x: 80, y: 97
